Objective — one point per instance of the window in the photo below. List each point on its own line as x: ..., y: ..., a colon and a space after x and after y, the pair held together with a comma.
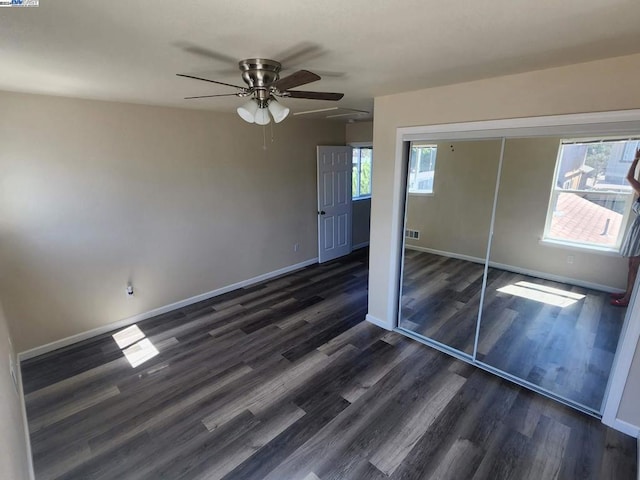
x: 591, y: 198
x: 422, y: 166
x: 361, y: 173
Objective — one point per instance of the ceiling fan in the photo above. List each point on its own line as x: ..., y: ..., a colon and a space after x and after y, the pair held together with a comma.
x: 264, y: 84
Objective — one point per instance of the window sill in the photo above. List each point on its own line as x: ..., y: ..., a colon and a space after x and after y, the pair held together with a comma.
x: 607, y: 251
x: 422, y: 194
x: 364, y: 197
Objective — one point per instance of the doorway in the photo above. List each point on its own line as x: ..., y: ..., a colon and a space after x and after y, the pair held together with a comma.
x: 340, y: 168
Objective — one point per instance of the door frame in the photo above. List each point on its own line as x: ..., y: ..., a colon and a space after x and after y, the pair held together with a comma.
x: 601, y: 123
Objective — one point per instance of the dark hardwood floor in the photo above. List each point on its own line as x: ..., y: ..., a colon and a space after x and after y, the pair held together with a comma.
x: 284, y: 380
x: 557, y: 336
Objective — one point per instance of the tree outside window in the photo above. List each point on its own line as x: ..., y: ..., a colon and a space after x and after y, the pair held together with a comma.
x: 361, y: 172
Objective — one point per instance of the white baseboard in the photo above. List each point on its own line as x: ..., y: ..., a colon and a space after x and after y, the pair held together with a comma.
x: 357, y: 246
x: 377, y: 322
x: 624, y: 427
x: 49, y: 347
x: 442, y: 253
x: 524, y: 271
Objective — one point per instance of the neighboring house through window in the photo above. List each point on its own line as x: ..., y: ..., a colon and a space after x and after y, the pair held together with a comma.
x: 422, y: 167
x: 590, y: 197
x: 361, y: 173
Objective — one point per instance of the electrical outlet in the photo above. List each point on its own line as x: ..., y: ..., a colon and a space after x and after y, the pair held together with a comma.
x: 296, y: 247
x: 570, y: 258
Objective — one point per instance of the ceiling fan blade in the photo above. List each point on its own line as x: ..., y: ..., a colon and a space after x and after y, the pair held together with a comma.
x: 302, y: 52
x: 209, y: 96
x: 314, y: 95
x: 207, y: 80
x: 322, y: 73
x: 301, y: 77
x: 205, y: 52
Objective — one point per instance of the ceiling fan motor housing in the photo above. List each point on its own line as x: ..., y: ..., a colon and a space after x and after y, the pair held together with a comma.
x: 259, y: 72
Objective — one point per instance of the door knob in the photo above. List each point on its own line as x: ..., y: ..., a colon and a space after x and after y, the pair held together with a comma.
x: 321, y: 212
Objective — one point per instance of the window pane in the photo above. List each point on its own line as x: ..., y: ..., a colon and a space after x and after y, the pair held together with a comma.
x: 591, y: 218
x: 422, y: 164
x: 600, y: 166
x: 354, y: 182
x: 592, y: 212
x: 361, y: 172
x: 630, y: 150
x: 365, y: 175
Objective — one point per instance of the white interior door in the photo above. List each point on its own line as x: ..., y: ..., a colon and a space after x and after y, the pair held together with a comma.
x: 334, y: 202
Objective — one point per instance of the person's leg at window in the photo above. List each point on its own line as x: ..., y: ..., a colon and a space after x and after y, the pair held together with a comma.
x: 622, y: 299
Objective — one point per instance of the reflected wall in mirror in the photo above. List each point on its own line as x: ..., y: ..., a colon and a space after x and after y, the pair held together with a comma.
x: 450, y: 195
x: 562, y: 209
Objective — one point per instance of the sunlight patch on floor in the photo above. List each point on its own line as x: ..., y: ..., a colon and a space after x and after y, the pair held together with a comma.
x: 542, y: 293
x: 140, y: 352
x: 136, y: 347
x: 128, y: 336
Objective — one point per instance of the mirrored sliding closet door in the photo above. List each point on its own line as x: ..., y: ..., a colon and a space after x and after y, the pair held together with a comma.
x: 450, y: 196
x: 562, y: 208
x: 539, y: 310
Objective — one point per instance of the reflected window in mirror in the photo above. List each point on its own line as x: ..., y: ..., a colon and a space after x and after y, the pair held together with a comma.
x: 361, y: 172
x: 591, y: 198
x: 422, y: 167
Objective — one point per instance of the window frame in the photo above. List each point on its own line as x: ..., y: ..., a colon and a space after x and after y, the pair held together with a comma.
x: 546, y: 239
x: 422, y: 193
x: 361, y: 145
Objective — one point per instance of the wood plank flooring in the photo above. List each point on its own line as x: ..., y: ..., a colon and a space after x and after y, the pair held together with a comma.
x: 284, y: 380
x: 567, y: 350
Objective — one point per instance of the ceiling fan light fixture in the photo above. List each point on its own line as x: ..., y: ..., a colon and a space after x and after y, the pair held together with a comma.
x: 248, y: 110
x: 262, y: 116
x: 278, y: 111
x: 262, y: 77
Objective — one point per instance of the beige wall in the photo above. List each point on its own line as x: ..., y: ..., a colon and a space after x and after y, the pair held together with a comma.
x: 180, y: 202
x: 361, y: 218
x: 13, y: 456
x: 359, y: 132
x: 604, y: 85
x: 457, y: 216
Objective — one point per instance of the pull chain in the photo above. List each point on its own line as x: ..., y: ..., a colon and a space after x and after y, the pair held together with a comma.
x: 264, y: 137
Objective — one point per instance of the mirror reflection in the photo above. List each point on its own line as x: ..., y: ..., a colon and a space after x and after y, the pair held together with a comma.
x: 556, y: 286
x: 450, y: 195
x: 562, y: 210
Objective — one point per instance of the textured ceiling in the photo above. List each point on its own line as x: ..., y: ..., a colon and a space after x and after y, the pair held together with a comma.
x: 131, y: 50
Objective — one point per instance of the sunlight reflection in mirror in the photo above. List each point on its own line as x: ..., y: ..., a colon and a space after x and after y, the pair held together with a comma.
x: 542, y: 293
